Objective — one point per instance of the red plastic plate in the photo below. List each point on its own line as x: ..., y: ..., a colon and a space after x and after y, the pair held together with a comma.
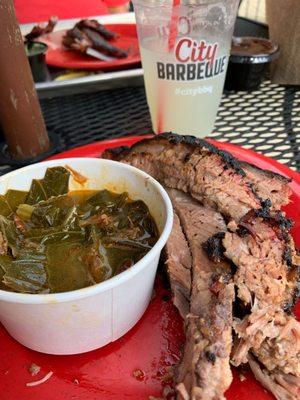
x: 146, y: 351
x: 58, y: 56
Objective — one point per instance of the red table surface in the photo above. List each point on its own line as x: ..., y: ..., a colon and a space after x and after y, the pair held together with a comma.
x: 151, y: 346
x: 40, y: 10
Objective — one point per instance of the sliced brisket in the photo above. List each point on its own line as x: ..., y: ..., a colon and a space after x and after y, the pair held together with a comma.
x: 272, y: 336
x: 281, y: 350
x: 266, y: 280
x: 178, y: 261
x: 268, y: 185
x: 282, y: 386
x: 212, y: 176
x: 258, y: 252
x: 204, y: 372
x: 256, y: 241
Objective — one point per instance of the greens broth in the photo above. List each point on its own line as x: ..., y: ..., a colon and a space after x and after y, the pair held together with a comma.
x: 54, y: 240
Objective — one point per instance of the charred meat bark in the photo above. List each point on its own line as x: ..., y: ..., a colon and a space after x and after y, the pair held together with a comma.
x: 195, y: 166
x: 204, y: 372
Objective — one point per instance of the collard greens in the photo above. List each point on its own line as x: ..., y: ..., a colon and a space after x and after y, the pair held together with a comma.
x: 53, y: 240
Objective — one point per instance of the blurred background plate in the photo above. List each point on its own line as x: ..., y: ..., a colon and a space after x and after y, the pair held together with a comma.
x: 58, y: 56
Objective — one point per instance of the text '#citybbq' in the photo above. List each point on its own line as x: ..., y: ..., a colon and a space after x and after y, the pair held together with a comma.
x: 194, y: 61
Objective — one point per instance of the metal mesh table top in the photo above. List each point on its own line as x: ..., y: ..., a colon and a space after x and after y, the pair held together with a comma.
x: 267, y: 120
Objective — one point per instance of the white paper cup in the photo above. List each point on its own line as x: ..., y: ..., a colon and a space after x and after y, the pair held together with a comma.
x: 89, y: 318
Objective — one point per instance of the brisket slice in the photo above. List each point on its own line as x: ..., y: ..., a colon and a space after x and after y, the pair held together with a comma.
x: 204, y: 372
x: 266, y: 280
x: 272, y: 336
x: 268, y: 185
x: 258, y: 250
x: 266, y: 283
x: 282, y: 386
x: 178, y: 261
x: 212, y: 176
x: 281, y: 350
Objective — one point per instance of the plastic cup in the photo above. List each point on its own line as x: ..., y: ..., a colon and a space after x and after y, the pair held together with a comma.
x: 184, y: 81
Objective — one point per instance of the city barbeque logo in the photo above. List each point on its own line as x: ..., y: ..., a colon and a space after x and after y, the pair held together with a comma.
x: 194, y: 61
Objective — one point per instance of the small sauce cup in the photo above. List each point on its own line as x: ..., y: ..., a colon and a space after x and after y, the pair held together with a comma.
x: 248, y: 63
x: 36, y: 54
